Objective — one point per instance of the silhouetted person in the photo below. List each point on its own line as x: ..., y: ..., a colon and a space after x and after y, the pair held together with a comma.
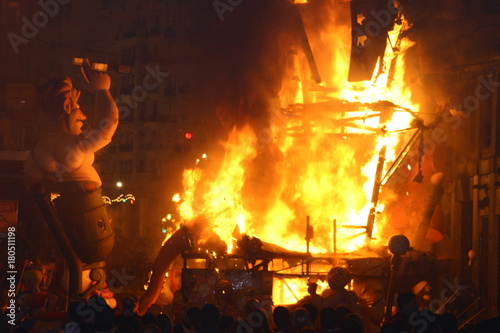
x: 209, y: 318
x: 300, y: 319
x: 406, y: 304
x: 337, y: 295
x: 224, y: 324
x: 194, y: 318
x: 241, y: 326
x: 104, y: 316
x: 390, y: 327
x: 150, y: 328
x: 351, y: 323
x: 148, y: 318
x: 313, y: 312
x: 129, y: 307
x: 491, y: 325
x: 251, y: 306
x: 281, y: 318
x: 448, y: 322
x: 164, y: 323
x: 327, y: 319
x: 79, y: 320
x: 341, y: 312
x: 313, y: 297
x: 259, y: 321
x: 122, y: 328
x: 309, y: 329
x: 132, y: 321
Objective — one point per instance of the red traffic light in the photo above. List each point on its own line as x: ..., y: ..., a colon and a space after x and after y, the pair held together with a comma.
x: 188, y: 135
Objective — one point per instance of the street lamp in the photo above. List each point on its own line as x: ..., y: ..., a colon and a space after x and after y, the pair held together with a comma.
x: 398, y: 245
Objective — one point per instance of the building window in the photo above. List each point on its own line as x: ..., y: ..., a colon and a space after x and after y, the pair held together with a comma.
x: 141, y: 168
x: 126, y: 142
x: 128, y: 56
x: 153, y: 137
x: 142, y: 140
x: 155, y: 26
x: 126, y: 85
x: 146, y: 56
x: 126, y: 167
x: 153, y: 111
x: 142, y: 112
x: 153, y: 166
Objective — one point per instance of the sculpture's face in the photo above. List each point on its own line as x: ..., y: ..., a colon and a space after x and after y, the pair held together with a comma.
x: 75, y: 116
x: 338, y: 278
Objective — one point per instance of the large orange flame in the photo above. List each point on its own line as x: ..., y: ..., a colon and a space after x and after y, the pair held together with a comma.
x: 317, y: 160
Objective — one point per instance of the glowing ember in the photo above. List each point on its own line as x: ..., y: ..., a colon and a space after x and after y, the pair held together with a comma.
x: 176, y: 197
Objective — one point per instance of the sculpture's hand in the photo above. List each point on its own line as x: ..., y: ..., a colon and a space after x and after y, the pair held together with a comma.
x: 94, y: 80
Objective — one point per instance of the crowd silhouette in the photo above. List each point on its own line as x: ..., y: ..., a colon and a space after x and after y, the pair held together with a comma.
x: 95, y: 315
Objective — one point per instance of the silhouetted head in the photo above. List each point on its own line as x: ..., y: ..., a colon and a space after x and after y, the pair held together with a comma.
x: 301, y: 318
x: 448, y: 322
x: 209, y: 315
x: 351, y: 323
x: 164, y: 322
x: 328, y: 318
x: 225, y: 323
x: 281, y: 317
x: 339, y: 277
x: 406, y: 302
x: 313, y: 312
x: 341, y: 312
x: 194, y: 317
x: 129, y: 304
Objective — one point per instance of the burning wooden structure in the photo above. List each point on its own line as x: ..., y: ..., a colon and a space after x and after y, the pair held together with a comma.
x: 339, y: 160
x: 326, y: 173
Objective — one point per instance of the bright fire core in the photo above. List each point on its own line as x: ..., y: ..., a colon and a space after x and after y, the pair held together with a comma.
x: 316, y: 161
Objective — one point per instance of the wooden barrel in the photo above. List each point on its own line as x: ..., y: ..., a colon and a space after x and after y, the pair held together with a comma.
x: 87, y: 225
